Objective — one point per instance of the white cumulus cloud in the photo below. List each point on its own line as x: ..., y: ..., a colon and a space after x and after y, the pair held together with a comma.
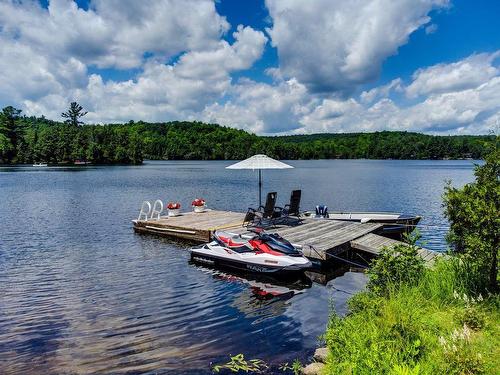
x: 288, y: 107
x: 467, y: 73
x: 382, y: 91
x: 160, y: 91
x: 457, y: 110
x: 334, y: 46
x: 113, y: 33
x: 261, y: 107
x: 46, y: 55
x: 183, y: 66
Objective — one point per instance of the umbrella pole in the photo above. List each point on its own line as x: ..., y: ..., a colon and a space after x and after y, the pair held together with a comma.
x: 260, y: 188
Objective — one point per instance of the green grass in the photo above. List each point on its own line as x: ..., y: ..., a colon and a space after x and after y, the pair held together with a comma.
x: 417, y: 329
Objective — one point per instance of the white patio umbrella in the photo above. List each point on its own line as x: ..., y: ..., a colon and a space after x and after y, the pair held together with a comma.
x: 259, y: 162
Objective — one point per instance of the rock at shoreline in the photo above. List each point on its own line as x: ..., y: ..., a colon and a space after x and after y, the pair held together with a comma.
x: 320, y: 355
x: 315, y: 368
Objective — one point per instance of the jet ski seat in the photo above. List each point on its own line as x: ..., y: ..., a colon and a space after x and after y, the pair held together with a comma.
x: 232, y: 242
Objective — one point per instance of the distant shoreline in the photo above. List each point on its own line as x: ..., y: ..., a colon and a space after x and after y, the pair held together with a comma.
x: 51, y: 165
x: 40, y: 140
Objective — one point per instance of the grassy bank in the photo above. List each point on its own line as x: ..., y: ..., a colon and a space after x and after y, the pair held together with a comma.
x: 432, y: 327
x: 443, y: 319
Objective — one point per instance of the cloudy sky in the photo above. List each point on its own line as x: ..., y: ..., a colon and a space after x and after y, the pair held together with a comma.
x: 270, y: 67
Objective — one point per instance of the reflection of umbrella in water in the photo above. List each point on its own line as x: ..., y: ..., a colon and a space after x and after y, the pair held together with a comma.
x: 259, y: 162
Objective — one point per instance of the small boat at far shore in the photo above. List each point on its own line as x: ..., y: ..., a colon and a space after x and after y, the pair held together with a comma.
x: 81, y: 162
x: 40, y: 165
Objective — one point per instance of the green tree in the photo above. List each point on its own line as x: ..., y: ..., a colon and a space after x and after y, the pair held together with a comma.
x: 10, y: 132
x: 474, y: 215
x: 74, y: 114
x: 40, y: 139
x: 396, y: 266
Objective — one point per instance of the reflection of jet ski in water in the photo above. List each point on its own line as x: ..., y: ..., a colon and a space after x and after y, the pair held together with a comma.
x: 263, y: 295
x: 262, y: 253
x: 267, y: 287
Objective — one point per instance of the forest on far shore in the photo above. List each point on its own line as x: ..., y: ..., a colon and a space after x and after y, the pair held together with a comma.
x: 28, y: 139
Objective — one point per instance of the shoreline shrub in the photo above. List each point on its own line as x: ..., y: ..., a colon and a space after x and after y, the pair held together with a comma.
x: 396, y: 266
x: 474, y: 215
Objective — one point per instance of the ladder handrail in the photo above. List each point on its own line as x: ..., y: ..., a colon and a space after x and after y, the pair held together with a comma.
x: 145, y: 206
x: 157, y: 210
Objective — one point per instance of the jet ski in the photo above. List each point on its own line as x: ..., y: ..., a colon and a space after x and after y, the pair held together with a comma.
x: 261, y: 253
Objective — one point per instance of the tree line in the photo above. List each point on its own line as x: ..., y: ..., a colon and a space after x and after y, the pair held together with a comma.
x: 29, y: 139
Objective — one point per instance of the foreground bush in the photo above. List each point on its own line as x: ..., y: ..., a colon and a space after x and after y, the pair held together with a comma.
x: 396, y: 266
x: 474, y: 215
x: 425, y: 328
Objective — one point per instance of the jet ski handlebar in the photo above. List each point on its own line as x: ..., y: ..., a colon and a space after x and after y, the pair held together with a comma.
x: 256, y: 230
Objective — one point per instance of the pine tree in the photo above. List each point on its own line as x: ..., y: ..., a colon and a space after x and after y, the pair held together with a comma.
x: 74, y: 113
x: 10, y: 132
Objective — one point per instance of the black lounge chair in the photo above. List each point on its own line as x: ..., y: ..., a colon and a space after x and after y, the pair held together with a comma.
x: 290, y: 213
x: 264, y: 215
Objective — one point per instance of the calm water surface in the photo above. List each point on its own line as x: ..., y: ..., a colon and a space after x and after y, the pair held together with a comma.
x: 81, y: 293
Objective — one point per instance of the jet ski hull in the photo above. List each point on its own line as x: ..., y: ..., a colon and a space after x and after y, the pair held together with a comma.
x: 210, y: 257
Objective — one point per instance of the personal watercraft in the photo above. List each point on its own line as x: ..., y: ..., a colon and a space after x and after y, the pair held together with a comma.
x: 261, y: 253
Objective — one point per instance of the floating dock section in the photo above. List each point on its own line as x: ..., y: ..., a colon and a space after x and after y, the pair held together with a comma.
x: 196, y: 227
x: 319, y: 239
x: 373, y: 244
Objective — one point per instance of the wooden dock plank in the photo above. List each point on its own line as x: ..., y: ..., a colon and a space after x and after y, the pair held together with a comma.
x: 308, y: 225
x: 373, y: 243
x: 190, y: 225
x: 318, y: 237
x: 198, y: 220
x: 319, y: 240
x: 353, y: 231
x: 314, y: 231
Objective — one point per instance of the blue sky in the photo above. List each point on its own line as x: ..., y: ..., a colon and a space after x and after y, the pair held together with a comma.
x: 267, y: 66
x: 465, y: 28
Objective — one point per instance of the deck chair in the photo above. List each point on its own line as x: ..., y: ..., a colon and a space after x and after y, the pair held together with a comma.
x: 263, y: 216
x: 290, y: 213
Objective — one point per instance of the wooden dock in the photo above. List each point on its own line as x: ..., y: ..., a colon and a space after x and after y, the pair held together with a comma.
x: 197, y: 227
x: 373, y: 244
x: 319, y: 239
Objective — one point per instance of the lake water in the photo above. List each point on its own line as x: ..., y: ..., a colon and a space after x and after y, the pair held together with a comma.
x: 80, y: 292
